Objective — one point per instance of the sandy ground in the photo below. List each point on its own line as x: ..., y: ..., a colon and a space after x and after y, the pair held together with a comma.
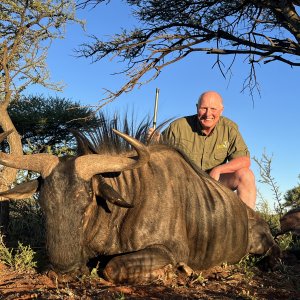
x: 227, y: 282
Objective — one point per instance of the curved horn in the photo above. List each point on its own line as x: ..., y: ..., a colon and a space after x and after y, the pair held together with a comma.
x: 89, y: 165
x: 42, y: 163
x: 3, y: 135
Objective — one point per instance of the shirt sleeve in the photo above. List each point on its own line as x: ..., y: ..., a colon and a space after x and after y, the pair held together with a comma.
x: 166, y: 134
x: 238, y: 147
x: 169, y: 136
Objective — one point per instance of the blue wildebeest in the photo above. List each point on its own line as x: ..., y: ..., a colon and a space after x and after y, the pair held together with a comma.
x: 290, y: 222
x: 145, y: 209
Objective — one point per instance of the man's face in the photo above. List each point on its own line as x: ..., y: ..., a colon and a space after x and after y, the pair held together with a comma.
x: 210, y: 109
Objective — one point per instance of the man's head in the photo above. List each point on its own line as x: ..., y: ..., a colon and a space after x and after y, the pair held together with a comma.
x: 209, y: 110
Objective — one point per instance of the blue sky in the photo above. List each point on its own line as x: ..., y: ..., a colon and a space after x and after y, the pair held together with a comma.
x: 270, y: 124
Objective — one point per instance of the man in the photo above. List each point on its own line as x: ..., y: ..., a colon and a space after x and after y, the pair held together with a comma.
x: 214, y: 143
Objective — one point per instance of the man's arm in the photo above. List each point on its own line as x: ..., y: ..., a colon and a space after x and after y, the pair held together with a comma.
x: 230, y: 167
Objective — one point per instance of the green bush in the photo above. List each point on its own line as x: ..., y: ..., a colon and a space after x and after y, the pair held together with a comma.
x: 21, y: 258
x: 272, y: 218
x: 26, y: 223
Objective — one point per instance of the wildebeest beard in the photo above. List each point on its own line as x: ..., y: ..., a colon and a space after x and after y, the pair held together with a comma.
x: 65, y: 198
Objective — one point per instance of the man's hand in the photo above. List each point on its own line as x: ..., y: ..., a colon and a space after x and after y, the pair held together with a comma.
x: 153, y: 135
x: 230, y: 167
x: 215, y: 173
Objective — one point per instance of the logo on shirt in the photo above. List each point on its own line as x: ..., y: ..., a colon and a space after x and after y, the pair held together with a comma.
x: 224, y: 145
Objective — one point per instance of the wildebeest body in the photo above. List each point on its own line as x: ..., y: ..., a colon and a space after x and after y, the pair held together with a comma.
x: 175, y: 207
x: 179, y: 215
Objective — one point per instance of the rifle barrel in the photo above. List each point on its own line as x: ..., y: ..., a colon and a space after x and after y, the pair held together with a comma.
x: 155, y: 108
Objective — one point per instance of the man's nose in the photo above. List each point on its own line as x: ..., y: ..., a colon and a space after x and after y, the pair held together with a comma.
x: 207, y: 111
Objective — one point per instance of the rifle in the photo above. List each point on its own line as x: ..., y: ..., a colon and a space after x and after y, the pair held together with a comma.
x: 155, y: 108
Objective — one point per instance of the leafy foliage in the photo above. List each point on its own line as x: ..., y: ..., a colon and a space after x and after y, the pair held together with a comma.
x: 264, y: 210
x: 286, y: 241
x: 265, y: 170
x: 46, y: 122
x: 290, y: 200
x: 27, y: 29
x: 26, y: 223
x: 292, y: 197
x: 21, y: 259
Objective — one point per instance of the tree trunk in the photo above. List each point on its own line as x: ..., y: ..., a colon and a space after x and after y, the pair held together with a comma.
x: 8, y: 175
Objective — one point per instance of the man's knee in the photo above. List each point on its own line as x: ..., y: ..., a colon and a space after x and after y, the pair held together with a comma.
x: 239, y: 180
x: 246, y: 187
x: 245, y: 176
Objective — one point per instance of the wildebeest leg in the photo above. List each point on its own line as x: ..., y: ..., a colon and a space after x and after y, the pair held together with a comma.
x: 139, y: 266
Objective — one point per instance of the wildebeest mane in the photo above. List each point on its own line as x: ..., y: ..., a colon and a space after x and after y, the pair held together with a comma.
x: 103, y: 140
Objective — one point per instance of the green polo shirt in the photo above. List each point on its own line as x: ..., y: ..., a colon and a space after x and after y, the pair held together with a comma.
x: 206, y: 151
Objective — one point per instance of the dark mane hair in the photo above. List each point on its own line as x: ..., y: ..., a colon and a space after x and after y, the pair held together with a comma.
x: 103, y: 140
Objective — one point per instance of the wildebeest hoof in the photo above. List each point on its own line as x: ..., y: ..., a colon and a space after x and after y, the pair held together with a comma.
x: 164, y: 274
x: 182, y: 267
x: 59, y: 278
x: 66, y: 277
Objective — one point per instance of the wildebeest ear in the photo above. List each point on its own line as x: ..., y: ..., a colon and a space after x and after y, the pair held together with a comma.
x: 21, y: 191
x: 104, y: 190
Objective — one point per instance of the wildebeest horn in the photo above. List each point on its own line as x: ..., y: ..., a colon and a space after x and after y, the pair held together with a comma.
x: 42, y: 163
x: 89, y: 165
x: 3, y: 135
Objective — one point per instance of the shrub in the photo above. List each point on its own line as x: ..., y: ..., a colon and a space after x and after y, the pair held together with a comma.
x: 26, y: 223
x: 21, y: 258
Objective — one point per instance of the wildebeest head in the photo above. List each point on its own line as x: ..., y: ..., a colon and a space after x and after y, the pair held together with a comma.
x: 68, y: 188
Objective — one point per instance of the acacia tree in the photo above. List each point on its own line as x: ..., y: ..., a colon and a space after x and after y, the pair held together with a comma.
x: 292, y: 197
x: 263, y: 31
x: 27, y: 28
x: 45, y: 123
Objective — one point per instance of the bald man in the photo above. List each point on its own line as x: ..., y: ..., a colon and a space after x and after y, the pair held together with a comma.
x: 215, y: 145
